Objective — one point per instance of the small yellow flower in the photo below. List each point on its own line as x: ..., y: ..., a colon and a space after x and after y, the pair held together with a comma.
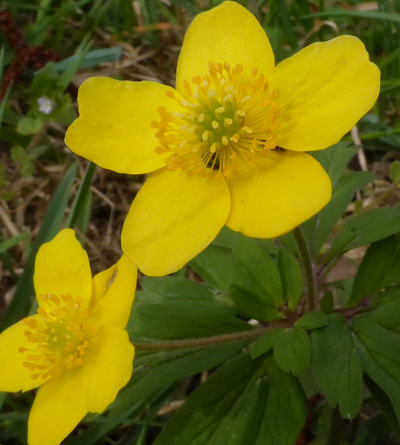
x: 75, y: 348
x: 215, y: 143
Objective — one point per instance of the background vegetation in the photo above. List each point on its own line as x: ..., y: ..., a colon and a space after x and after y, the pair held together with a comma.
x: 47, y: 48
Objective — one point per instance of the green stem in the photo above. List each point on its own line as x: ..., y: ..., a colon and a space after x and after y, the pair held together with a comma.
x: 197, y: 342
x: 308, y: 270
x: 335, y: 430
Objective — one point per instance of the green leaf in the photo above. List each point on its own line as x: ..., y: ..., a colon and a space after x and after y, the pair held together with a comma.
x: 327, y: 302
x: 252, y: 306
x: 227, y: 238
x: 260, y: 269
x: 18, y: 154
x: 335, y: 159
x: 387, y: 315
x: 312, y: 320
x: 210, y: 415
x: 341, y: 197
x: 180, y: 315
x: 264, y: 343
x: 238, y: 405
x: 29, y: 125
x: 379, y: 349
x: 379, y: 268
x: 292, y: 350
x: 364, y: 229
x: 285, y: 411
x: 217, y: 266
x: 336, y: 366
x: 169, y: 287
x: 51, y: 224
x: 292, y: 278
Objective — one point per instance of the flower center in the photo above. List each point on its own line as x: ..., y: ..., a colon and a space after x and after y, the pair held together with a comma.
x: 227, y: 118
x: 59, y: 337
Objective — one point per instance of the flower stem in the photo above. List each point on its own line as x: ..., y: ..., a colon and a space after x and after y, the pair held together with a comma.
x: 197, y: 342
x: 308, y: 270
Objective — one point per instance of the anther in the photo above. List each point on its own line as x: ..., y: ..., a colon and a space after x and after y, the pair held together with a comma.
x: 228, y: 121
x: 219, y: 110
x: 213, y: 147
x: 196, y: 80
x: 204, y: 136
x: 247, y: 130
x: 225, y: 141
x: 215, y: 124
x: 201, y: 117
x: 240, y: 113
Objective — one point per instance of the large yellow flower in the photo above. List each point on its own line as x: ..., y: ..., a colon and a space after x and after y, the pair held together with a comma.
x: 216, y: 143
x: 75, y: 348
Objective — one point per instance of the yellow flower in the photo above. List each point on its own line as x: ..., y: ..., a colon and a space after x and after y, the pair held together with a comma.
x: 75, y: 348
x: 215, y: 143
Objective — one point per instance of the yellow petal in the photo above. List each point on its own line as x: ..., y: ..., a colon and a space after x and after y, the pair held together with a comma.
x: 279, y: 193
x: 114, y: 128
x: 114, y: 302
x: 228, y: 33
x: 324, y: 89
x: 14, y: 376
x: 108, y: 368
x: 101, y: 283
x: 58, y: 407
x: 173, y: 218
x: 62, y: 268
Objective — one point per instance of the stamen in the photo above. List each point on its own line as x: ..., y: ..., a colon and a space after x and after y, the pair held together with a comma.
x: 247, y: 130
x: 240, y: 113
x: 59, y: 336
x: 213, y: 147
x: 226, y: 117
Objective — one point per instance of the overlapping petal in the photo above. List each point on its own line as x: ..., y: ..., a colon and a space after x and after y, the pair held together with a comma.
x: 114, y: 128
x: 280, y: 192
x: 324, y: 89
x: 107, y: 369
x: 115, y: 294
x: 62, y: 268
x: 228, y: 33
x: 58, y: 407
x: 173, y: 218
x: 14, y: 376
